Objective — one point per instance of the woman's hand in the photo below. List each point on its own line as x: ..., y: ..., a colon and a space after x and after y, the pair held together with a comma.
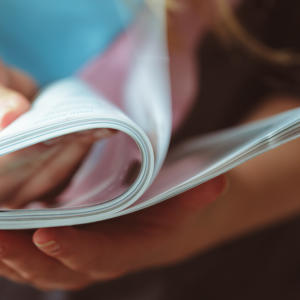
x: 39, y: 172
x: 74, y: 257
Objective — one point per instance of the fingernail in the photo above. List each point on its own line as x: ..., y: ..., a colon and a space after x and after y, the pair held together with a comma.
x: 50, y: 246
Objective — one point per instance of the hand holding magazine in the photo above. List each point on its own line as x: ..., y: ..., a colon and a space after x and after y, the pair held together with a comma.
x: 131, y: 170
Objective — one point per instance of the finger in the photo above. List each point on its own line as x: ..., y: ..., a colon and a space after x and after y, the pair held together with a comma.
x: 59, y: 169
x: 19, y: 254
x: 18, y: 168
x: 21, y: 82
x: 87, y: 137
x: 51, y: 173
x: 81, y: 250
x: 17, y: 80
x: 12, y: 105
x: 3, y: 74
x: 8, y: 273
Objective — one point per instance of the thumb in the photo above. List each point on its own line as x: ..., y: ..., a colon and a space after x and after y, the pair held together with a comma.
x: 12, y: 105
x: 17, y: 80
x: 21, y: 82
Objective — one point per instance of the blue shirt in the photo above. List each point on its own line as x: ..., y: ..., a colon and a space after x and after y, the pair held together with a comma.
x: 51, y: 39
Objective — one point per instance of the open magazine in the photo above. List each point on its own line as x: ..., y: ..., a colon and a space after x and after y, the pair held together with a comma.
x: 133, y: 169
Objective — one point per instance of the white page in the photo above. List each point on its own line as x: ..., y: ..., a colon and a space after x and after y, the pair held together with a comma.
x: 201, y: 160
x: 65, y: 101
x: 71, y: 106
x: 204, y: 158
x: 147, y: 94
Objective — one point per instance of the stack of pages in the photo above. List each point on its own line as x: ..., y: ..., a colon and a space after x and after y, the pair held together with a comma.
x: 133, y: 169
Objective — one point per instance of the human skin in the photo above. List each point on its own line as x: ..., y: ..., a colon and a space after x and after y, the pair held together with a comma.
x: 68, y: 258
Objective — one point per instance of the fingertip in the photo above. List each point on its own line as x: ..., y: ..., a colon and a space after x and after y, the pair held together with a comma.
x: 45, y: 239
x: 12, y: 106
x: 45, y: 235
x: 9, y: 117
x: 51, y: 240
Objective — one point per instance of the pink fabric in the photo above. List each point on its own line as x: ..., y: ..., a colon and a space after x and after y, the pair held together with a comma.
x: 107, y: 73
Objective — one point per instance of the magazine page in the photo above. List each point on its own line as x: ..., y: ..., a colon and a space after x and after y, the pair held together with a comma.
x: 147, y: 92
x: 56, y: 112
x: 201, y: 159
x: 147, y: 102
x: 70, y: 106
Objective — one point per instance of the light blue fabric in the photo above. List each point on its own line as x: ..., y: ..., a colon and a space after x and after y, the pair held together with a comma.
x: 51, y: 39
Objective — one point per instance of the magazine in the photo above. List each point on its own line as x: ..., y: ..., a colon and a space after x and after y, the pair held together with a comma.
x: 134, y: 168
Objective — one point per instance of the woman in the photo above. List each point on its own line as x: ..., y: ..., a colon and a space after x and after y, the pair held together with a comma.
x: 72, y: 258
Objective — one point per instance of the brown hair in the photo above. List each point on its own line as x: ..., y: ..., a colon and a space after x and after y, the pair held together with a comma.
x: 230, y: 29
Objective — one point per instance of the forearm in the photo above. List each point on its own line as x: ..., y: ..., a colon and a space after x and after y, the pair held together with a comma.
x: 261, y: 191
